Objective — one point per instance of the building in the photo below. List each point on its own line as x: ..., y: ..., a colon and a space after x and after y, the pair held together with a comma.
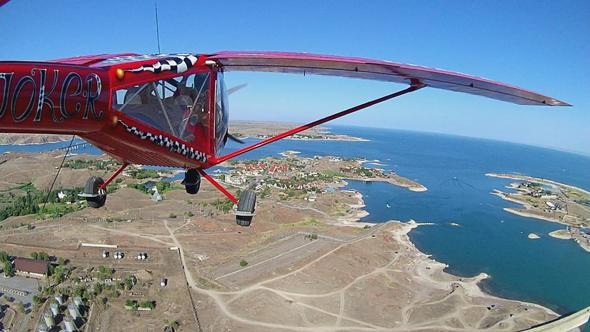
x: 31, y: 267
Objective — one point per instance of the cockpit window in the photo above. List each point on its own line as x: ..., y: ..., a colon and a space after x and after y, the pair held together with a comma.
x: 178, y: 106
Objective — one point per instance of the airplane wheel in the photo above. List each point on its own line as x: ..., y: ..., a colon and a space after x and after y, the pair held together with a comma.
x: 246, y: 207
x: 192, y: 181
x: 95, y: 197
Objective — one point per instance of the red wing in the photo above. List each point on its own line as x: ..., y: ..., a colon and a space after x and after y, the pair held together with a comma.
x: 381, y: 71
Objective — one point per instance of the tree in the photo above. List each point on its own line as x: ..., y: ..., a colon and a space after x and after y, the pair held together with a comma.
x: 36, y: 300
x: 4, y: 256
x: 129, y: 282
x: 131, y: 304
x: 98, y: 288
x: 243, y: 263
x: 34, y: 255
x: 148, y: 304
x: 8, y: 271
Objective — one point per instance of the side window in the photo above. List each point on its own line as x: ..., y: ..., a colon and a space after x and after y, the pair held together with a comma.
x: 177, y: 106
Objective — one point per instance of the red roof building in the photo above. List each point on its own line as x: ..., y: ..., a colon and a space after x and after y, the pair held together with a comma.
x: 31, y: 267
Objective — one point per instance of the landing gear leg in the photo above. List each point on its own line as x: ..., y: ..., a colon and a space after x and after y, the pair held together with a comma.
x: 95, y: 190
x: 246, y: 204
x: 192, y: 181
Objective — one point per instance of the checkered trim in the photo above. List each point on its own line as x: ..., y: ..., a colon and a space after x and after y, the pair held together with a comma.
x: 167, y: 142
x: 179, y: 63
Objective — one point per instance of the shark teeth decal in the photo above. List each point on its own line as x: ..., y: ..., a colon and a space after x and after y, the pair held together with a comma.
x: 167, y: 142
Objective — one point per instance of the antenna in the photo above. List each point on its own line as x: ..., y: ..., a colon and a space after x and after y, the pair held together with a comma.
x: 157, y: 25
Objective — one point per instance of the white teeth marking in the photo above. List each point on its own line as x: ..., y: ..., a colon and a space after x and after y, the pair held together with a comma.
x: 172, y: 145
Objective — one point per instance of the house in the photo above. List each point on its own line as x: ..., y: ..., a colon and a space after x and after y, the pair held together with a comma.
x: 31, y: 267
x: 156, y: 196
x: 150, y: 185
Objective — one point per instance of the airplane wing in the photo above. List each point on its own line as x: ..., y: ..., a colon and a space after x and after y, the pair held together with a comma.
x: 379, y: 70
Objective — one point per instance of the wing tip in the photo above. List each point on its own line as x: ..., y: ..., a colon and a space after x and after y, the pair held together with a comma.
x: 555, y: 102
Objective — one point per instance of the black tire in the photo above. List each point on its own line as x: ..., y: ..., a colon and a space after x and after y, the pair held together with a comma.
x: 246, y: 203
x: 91, y: 187
x: 192, y: 189
x: 192, y: 181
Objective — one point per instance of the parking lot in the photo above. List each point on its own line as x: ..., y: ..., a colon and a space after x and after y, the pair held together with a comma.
x: 19, y: 283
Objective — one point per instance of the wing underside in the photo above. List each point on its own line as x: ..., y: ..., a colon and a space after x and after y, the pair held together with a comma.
x: 304, y: 63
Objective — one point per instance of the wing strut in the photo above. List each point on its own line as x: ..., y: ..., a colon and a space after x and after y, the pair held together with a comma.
x: 413, y: 87
x: 113, y: 176
x: 218, y: 186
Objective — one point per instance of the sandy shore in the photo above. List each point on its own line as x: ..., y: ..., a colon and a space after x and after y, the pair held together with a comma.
x: 358, y: 212
x: 533, y: 215
x: 429, y: 272
x: 432, y: 273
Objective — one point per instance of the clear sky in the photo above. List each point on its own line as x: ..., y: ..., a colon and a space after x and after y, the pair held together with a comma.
x: 543, y: 46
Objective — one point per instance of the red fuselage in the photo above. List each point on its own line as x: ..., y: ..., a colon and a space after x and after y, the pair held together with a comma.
x: 77, y: 96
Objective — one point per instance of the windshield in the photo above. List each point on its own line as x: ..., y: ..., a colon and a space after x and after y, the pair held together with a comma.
x: 178, y: 106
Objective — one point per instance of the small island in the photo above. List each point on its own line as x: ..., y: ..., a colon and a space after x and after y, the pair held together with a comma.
x: 552, y: 201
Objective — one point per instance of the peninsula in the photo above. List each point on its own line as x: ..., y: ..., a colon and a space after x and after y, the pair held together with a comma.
x: 552, y: 201
x: 262, y: 130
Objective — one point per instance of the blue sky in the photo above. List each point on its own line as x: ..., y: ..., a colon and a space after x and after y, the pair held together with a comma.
x: 540, y: 45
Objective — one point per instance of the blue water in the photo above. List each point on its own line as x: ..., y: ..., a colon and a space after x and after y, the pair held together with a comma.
x: 548, y: 271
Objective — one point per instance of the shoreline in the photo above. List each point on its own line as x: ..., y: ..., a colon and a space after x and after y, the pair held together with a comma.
x: 426, y: 266
x: 36, y: 143
x: 471, y: 286
x: 525, y: 206
x: 415, y: 187
x: 336, y: 138
x: 519, y: 177
x: 532, y: 215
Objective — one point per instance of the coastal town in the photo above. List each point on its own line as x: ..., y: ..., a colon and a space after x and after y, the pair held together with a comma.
x: 552, y: 201
x: 293, y: 176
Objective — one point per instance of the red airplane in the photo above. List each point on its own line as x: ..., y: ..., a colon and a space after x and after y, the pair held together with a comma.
x: 172, y: 109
